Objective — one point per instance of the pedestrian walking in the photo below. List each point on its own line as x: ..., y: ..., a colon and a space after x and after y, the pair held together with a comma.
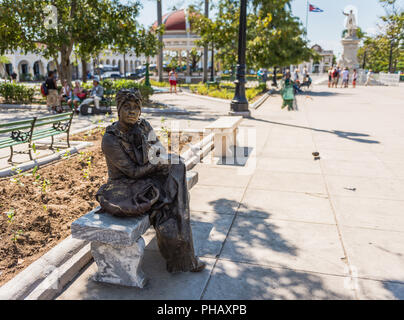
x: 305, y: 74
x: 287, y: 92
x: 52, y: 99
x: 338, y: 75
x: 330, y: 70
x: 334, y: 77
x: 345, y: 78
x: 369, y: 77
x: 354, y: 78
x: 172, y: 78
x: 296, y: 76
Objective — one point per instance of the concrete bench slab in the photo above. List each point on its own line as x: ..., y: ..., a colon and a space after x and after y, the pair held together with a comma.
x: 102, y: 227
x: 225, y: 135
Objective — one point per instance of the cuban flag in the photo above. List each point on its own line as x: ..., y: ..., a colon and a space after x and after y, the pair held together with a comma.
x: 314, y: 9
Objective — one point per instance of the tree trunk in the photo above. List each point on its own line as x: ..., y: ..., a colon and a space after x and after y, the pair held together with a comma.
x: 124, y: 65
x: 274, y: 82
x: 391, y: 57
x: 84, y: 70
x: 64, y: 70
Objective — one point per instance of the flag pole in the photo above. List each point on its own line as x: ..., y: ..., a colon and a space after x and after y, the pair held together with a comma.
x: 307, y: 16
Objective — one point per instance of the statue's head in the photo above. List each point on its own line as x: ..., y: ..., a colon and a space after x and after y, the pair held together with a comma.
x: 129, y: 104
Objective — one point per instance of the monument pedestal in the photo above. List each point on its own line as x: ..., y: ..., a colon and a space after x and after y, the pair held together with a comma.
x: 349, y: 56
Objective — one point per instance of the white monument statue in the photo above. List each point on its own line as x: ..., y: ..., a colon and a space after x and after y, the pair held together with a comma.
x: 350, y: 43
x: 350, y: 24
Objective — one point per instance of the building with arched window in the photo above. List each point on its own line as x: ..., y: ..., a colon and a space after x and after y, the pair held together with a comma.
x: 35, y: 67
x: 179, y: 39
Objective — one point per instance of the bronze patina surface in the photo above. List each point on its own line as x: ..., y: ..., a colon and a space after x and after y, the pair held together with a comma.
x: 142, y: 179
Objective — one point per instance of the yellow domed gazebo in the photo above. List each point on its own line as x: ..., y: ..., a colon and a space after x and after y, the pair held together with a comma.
x: 178, y: 36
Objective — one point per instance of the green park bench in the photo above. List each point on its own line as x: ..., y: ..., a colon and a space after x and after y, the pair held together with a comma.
x: 29, y: 130
x: 213, y: 83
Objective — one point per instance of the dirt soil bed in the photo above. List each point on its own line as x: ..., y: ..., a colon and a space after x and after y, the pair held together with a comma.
x: 38, y: 207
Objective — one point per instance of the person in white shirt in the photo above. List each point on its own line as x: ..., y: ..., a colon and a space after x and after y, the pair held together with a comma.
x: 369, y: 77
x: 296, y: 75
x: 345, y: 78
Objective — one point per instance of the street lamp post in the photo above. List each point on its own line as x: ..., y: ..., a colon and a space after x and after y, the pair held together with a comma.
x: 205, y: 48
x: 239, y: 104
x: 160, y: 53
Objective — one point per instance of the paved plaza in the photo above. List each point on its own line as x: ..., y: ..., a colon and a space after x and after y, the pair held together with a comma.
x: 285, y: 226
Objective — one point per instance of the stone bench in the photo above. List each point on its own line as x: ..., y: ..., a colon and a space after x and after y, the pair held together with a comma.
x: 225, y: 135
x: 117, y: 245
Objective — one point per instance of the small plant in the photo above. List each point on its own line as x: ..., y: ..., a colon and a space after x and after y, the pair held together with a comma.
x: 34, y: 148
x: 16, y: 235
x: 36, y: 176
x: 82, y: 155
x: 10, y: 215
x: 18, y: 173
x: 87, y: 171
x: 45, y: 184
x: 66, y: 155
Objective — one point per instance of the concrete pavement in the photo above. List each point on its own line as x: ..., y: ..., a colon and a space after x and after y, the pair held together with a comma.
x: 291, y: 227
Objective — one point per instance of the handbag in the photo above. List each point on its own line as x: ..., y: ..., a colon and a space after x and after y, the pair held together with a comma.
x: 127, y: 199
x: 82, y: 95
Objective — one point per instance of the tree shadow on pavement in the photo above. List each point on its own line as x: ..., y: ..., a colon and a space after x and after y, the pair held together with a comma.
x: 251, y: 234
x: 342, y: 134
x: 308, y: 92
x: 240, y: 281
x: 321, y: 93
x: 244, y: 269
x: 395, y: 288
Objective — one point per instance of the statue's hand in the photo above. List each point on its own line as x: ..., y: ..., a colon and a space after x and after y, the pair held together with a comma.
x: 164, y: 168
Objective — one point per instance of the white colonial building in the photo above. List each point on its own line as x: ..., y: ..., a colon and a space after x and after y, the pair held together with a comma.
x: 35, y: 67
x: 320, y: 66
x: 178, y: 41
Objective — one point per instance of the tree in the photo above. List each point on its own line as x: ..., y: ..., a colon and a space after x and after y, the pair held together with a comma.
x: 85, y: 25
x: 274, y: 36
x: 3, y: 60
x: 385, y: 51
x: 220, y: 32
x: 195, y: 56
x: 149, y: 44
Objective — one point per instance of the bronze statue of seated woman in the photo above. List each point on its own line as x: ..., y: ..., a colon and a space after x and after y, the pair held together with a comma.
x: 142, y: 179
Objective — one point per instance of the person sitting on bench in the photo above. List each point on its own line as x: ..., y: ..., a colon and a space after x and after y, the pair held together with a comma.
x: 96, y: 95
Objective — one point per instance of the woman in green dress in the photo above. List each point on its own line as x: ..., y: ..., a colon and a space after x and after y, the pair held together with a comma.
x: 287, y: 92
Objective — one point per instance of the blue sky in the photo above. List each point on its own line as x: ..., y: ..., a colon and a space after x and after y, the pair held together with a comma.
x: 324, y: 28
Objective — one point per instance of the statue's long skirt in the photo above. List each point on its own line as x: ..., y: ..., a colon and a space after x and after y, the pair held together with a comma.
x: 170, y: 217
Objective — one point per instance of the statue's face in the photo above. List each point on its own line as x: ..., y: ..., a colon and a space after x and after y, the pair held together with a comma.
x: 129, y: 113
